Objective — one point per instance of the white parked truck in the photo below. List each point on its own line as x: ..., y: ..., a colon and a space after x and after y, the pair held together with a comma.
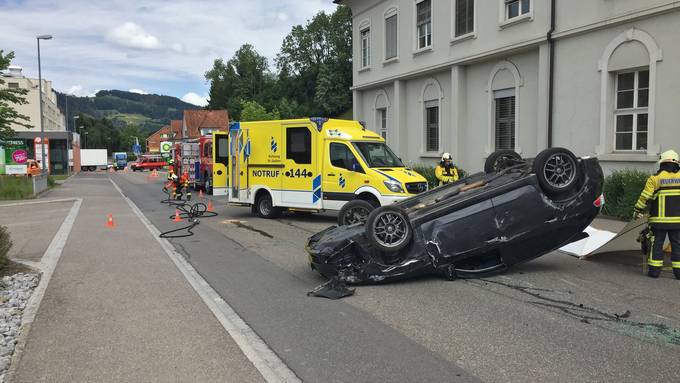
x: 93, y: 159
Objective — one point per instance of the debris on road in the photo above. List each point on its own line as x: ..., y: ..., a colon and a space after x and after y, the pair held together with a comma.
x: 333, y: 289
x: 15, y: 291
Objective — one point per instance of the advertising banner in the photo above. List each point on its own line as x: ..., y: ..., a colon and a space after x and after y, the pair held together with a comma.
x: 13, y: 157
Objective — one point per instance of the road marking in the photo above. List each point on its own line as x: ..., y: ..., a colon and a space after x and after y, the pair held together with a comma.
x: 46, y: 265
x: 39, y: 202
x: 270, y: 366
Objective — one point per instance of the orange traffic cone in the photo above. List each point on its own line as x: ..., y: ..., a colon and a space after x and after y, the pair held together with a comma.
x: 154, y: 173
x: 200, y: 194
x: 109, y: 221
x: 177, y: 217
x: 210, y: 206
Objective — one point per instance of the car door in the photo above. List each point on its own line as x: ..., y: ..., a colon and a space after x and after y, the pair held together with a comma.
x: 301, y: 183
x: 342, y: 174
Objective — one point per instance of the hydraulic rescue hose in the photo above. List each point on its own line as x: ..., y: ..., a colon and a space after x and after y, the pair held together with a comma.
x: 188, y: 211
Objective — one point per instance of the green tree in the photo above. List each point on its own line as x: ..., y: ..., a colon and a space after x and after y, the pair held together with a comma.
x: 252, y: 111
x: 9, y: 98
x: 244, y: 77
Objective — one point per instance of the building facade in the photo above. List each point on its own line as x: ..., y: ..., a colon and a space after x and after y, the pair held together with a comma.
x: 170, y: 132
x: 54, y: 119
x: 59, y: 140
x: 469, y: 77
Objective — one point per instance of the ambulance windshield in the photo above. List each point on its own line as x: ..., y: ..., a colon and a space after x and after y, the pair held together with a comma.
x: 378, y: 155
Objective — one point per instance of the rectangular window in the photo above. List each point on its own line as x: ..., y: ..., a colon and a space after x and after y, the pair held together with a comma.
x: 631, y: 112
x: 382, y: 120
x: 515, y: 8
x: 465, y: 16
x: 365, y: 47
x: 505, y: 120
x: 424, y: 23
x: 432, y: 126
x: 299, y: 145
x: 391, y: 37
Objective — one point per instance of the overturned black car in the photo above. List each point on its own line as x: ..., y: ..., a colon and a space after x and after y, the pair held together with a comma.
x: 515, y: 211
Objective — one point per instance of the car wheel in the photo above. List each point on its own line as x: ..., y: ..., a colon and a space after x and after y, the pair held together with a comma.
x: 389, y: 229
x: 557, y: 170
x: 500, y: 160
x: 264, y: 207
x: 355, y: 211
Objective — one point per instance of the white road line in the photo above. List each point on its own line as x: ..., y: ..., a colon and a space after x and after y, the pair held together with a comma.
x: 38, y: 202
x: 270, y: 366
x: 47, y: 265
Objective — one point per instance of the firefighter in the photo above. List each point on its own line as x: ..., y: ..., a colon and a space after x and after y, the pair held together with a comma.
x: 181, y: 185
x: 662, y: 192
x: 446, y: 172
x: 171, y: 169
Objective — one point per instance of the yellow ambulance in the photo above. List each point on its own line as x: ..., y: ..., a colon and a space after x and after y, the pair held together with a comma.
x: 311, y: 165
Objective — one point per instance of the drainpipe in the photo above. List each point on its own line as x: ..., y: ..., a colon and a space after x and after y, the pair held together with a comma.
x: 551, y: 71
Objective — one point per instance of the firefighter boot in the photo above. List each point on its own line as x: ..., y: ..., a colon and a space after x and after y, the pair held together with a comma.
x: 654, y: 272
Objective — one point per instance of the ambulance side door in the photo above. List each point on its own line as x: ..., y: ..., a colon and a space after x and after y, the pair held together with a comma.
x: 220, y: 154
x: 301, y: 181
x: 342, y: 174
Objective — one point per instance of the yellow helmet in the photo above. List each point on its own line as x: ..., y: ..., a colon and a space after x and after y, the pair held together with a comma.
x: 669, y: 156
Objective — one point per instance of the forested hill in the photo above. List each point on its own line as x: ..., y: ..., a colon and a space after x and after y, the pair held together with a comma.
x: 148, y: 111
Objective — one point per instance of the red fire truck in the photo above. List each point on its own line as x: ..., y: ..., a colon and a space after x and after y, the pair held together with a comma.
x: 195, y: 157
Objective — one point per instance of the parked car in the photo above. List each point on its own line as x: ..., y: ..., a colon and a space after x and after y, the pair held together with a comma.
x: 514, y: 212
x: 148, y: 162
x: 33, y: 168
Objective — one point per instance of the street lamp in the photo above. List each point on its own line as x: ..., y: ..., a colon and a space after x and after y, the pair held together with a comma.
x: 42, y: 125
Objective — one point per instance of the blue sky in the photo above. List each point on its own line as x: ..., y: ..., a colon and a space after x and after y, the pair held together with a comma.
x: 149, y: 46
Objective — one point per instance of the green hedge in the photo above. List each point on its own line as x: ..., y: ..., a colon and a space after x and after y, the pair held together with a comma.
x: 621, y: 191
x: 427, y: 171
x: 5, y: 245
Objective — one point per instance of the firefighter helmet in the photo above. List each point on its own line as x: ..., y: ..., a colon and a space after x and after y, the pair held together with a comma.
x: 669, y: 156
x: 447, y: 157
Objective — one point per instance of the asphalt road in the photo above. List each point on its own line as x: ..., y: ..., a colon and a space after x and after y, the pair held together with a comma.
x: 553, y: 319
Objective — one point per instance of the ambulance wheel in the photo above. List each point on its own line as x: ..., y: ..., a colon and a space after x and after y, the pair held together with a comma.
x: 355, y: 211
x: 264, y: 207
x: 389, y: 229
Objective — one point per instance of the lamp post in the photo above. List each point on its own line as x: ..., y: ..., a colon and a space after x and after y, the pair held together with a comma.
x: 68, y: 132
x: 42, y: 125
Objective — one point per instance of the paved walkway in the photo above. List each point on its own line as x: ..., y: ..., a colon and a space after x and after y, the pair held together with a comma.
x: 118, y: 310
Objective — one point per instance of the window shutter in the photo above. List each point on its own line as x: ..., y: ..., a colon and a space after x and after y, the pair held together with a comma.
x: 391, y: 37
x: 505, y: 123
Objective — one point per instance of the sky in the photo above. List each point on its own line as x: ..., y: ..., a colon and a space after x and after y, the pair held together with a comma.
x: 145, y: 46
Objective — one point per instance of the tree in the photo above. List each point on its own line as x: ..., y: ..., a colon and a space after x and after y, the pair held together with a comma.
x: 10, y: 97
x: 252, y: 111
x: 244, y: 77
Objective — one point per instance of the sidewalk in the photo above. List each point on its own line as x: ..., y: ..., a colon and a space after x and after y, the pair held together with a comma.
x: 117, y: 309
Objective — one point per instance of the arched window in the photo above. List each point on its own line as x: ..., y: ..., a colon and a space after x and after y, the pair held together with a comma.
x: 431, y: 97
x: 381, y: 106
x: 627, y: 90
x: 504, y: 102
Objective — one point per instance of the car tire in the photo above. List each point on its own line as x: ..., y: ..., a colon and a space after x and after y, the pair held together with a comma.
x: 389, y: 229
x: 264, y: 207
x: 500, y: 160
x: 557, y: 170
x: 355, y: 211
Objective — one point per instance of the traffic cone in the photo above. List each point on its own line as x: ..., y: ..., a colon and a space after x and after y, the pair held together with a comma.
x: 154, y: 173
x: 200, y: 194
x: 109, y: 221
x: 177, y: 217
x: 125, y: 170
x: 210, y: 206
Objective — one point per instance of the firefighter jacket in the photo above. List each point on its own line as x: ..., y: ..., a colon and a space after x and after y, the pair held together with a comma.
x: 662, y: 192
x: 446, y: 174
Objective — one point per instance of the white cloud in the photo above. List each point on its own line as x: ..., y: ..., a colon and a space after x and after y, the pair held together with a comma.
x: 177, y: 47
x: 133, y: 36
x: 193, y: 98
x: 138, y: 91
x: 282, y: 16
x: 77, y: 90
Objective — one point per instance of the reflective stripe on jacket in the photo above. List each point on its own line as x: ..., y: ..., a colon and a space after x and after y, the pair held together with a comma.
x: 662, y: 192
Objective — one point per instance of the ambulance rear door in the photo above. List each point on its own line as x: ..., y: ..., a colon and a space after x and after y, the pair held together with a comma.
x: 301, y: 180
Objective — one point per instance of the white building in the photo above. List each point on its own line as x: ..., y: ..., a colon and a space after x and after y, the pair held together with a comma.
x: 54, y: 120
x: 599, y: 77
